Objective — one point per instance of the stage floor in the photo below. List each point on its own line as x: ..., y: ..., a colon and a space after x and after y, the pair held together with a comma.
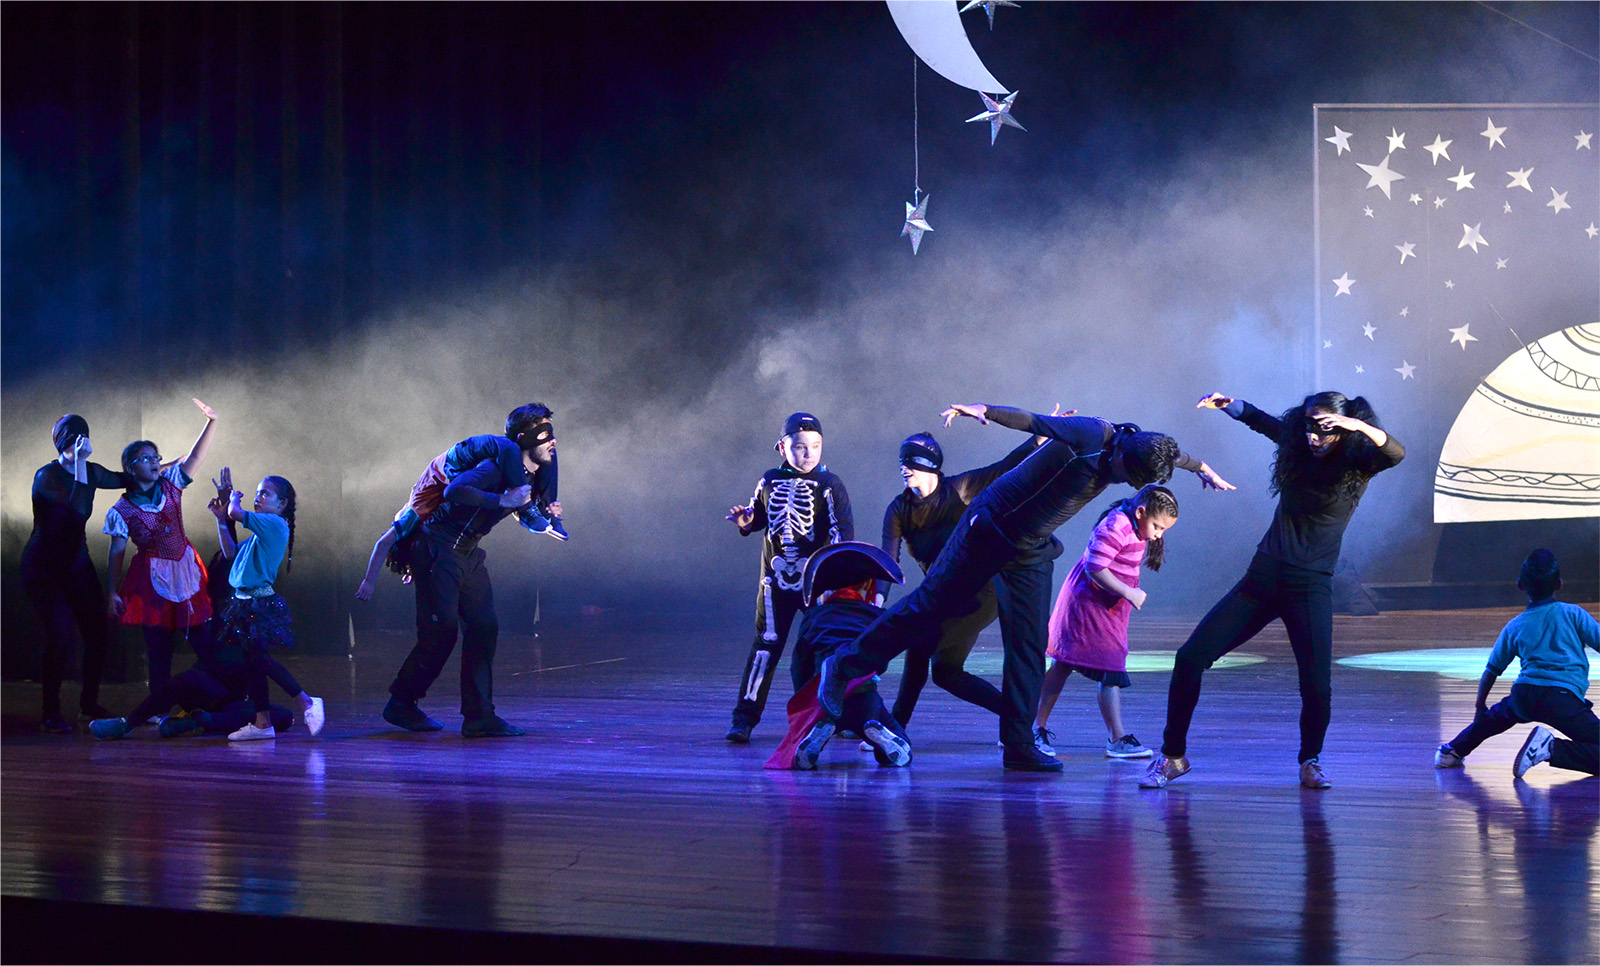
x: 624, y: 813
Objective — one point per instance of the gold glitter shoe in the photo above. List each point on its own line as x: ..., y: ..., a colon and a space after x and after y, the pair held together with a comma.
x: 1163, y: 770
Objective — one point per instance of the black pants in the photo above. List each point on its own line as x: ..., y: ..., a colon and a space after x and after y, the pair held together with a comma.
x: 976, y: 553
x: 221, y: 694
x: 775, y: 613
x: 1547, y: 704
x: 454, y: 597
x: 860, y: 706
x: 957, y: 635
x: 160, y: 643
x: 64, y: 598
x: 1271, y: 590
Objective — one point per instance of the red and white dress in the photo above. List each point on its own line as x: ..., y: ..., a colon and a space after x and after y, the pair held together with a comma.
x: 166, y: 581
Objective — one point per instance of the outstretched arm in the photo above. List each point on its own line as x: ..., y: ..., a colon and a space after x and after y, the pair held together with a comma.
x: 202, y: 443
x: 1267, y: 425
x: 380, y: 551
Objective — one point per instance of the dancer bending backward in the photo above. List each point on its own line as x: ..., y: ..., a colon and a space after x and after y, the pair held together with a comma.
x: 1328, y: 449
x: 450, y: 571
x: 164, y: 591
x: 1089, y: 626
x: 923, y: 516
x: 257, y: 618
x: 800, y: 507
x: 1008, y: 532
x: 59, y: 579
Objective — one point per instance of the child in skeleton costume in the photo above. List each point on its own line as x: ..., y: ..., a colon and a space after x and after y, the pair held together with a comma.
x: 164, y: 590
x: 799, y: 507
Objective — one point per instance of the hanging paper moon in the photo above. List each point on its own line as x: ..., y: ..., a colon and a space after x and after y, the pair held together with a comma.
x: 934, y: 31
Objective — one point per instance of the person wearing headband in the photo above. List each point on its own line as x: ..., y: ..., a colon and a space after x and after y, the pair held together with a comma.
x: 798, y: 508
x: 433, y: 544
x: 1008, y: 533
x: 58, y: 577
x: 922, y: 517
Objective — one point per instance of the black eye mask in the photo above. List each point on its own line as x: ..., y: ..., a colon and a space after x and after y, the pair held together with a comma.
x: 537, y: 436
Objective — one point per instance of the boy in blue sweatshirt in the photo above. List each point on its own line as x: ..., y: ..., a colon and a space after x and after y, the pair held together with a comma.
x: 1548, y: 638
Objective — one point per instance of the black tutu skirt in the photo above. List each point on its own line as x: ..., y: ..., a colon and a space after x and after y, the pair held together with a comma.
x: 260, y: 621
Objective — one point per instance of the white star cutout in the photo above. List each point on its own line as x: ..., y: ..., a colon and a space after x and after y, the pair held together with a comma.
x: 916, y: 222
x: 1344, y: 282
x: 1340, y: 140
x: 1438, y: 202
x: 1493, y: 134
x: 1405, y: 311
x: 1592, y: 231
x: 1462, y: 336
x: 1558, y: 200
x: 1367, y: 210
x: 1367, y: 328
x: 1519, y: 179
x: 1381, y: 176
x: 1449, y: 283
x: 1500, y: 263
x: 1582, y: 137
x: 1360, y: 370
x: 1406, y: 250
x: 1439, y: 148
x: 998, y: 114
x: 1507, y: 207
x: 1406, y: 369
x: 1416, y: 199
x: 1463, y: 181
x: 1326, y: 344
x: 1472, y: 237
x: 1397, y: 141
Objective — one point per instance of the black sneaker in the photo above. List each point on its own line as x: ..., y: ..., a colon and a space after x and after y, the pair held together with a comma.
x: 406, y: 714
x: 1029, y: 758
x: 54, y: 724
x: 492, y: 726
x: 810, y: 747
x: 739, y: 734
x: 889, y: 748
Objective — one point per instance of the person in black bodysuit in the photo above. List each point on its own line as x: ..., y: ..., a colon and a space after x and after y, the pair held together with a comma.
x: 923, y: 516
x: 57, y: 576
x: 1328, y: 449
x: 798, y: 508
x: 1008, y: 532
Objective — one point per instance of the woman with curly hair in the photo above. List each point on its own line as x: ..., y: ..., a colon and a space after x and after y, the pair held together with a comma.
x: 1328, y: 448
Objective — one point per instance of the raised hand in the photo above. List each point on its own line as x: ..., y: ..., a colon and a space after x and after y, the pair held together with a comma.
x: 742, y: 515
x: 209, y: 412
x: 1215, y: 401
x: 1209, y: 480
x: 977, y: 411
x: 225, y: 484
x: 1331, y: 421
x: 219, y: 507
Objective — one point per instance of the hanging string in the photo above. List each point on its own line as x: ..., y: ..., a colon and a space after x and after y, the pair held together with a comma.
x: 916, y: 146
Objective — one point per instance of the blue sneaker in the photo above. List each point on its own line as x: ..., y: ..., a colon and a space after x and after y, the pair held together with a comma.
x: 109, y: 729
x: 888, y: 747
x: 831, y: 686
x: 533, y: 521
x: 810, y: 747
x: 557, y: 530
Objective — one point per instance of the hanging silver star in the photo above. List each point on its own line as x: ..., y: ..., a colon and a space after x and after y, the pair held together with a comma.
x: 916, y: 222
x: 998, y: 114
x: 988, y: 7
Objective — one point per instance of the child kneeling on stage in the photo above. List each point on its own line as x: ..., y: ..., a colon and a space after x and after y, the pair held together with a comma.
x: 1548, y: 638
x: 838, y: 587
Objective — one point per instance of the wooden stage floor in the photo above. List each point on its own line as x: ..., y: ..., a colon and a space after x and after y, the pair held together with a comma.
x: 625, y: 814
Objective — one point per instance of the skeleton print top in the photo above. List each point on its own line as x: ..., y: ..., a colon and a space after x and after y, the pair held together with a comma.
x: 800, y: 512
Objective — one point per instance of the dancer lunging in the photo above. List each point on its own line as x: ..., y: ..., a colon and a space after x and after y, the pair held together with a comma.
x: 1089, y: 626
x: 257, y: 617
x: 1328, y: 449
x: 799, y: 508
x: 1008, y: 532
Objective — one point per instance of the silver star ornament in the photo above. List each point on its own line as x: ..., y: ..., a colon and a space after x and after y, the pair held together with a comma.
x: 988, y: 7
x: 998, y: 114
x: 916, y: 222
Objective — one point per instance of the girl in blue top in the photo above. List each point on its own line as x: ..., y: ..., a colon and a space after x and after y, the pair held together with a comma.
x: 258, y: 617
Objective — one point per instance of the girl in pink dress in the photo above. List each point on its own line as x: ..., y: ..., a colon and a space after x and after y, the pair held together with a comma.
x: 1089, y: 626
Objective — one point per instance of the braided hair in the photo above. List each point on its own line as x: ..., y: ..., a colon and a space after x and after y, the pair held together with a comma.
x: 1295, y: 466
x: 286, y: 493
x: 1154, y: 500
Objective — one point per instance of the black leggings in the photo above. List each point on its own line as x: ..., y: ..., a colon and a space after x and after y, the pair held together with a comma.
x: 957, y: 635
x: 65, y: 597
x: 1270, y: 590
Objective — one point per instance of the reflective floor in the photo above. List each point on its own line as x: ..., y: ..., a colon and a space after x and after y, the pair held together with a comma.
x: 623, y: 813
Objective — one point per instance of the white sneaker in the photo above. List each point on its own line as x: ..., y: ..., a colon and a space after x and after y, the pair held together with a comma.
x: 866, y: 746
x: 314, y: 716
x: 1534, y: 750
x: 1446, y: 757
x: 1127, y: 747
x: 1042, y: 740
x: 251, y: 733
